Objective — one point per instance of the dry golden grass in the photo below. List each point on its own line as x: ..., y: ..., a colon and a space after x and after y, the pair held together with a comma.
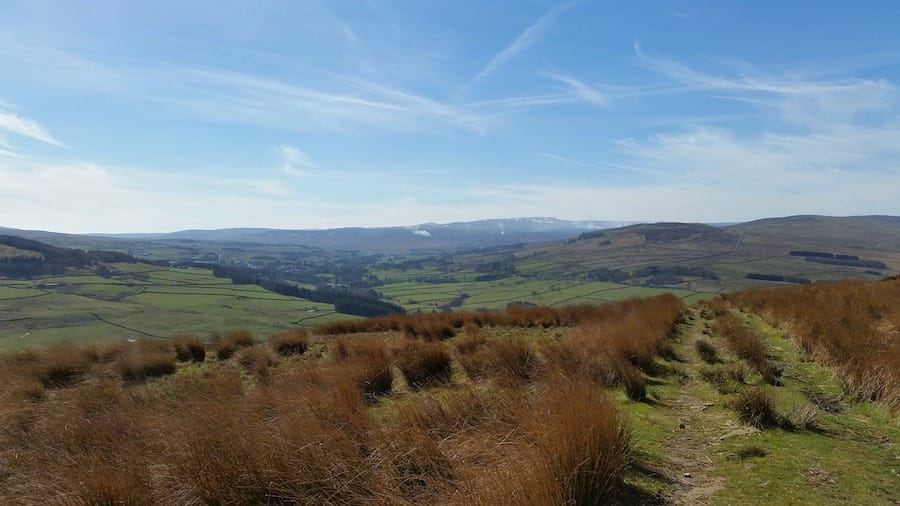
x: 509, y: 359
x: 189, y: 348
x: 616, y: 350
x: 367, y: 361
x: 291, y: 342
x: 444, y: 325
x: 230, y: 342
x: 747, y: 344
x: 425, y: 364
x: 77, y: 430
x: 256, y: 360
x: 851, y: 326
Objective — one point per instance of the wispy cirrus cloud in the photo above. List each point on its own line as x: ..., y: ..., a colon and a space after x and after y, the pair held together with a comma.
x: 9, y: 153
x: 581, y: 91
x: 796, y: 163
x: 606, y: 166
x: 796, y: 144
x: 295, y: 162
x: 527, y: 38
x: 797, y: 98
x: 268, y: 186
x: 25, y: 127
x: 314, y: 100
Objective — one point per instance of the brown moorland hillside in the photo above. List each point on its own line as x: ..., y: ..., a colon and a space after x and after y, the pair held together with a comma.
x: 639, y: 402
x: 385, y: 418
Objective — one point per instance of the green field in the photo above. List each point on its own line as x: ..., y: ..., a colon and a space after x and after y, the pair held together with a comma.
x: 9, y: 251
x: 144, y: 301
x: 414, y: 296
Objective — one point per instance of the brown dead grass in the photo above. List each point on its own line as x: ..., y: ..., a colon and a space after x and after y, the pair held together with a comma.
x: 852, y: 326
x: 230, y: 342
x: 317, y: 430
x: 188, y: 348
x: 425, y: 364
x: 291, y: 342
x: 747, y: 344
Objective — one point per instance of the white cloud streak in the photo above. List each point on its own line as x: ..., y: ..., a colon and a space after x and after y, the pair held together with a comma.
x: 581, y: 91
x: 800, y: 100
x: 9, y: 153
x: 618, y: 167
x: 321, y: 101
x: 295, y: 162
x: 530, y: 36
x: 25, y: 127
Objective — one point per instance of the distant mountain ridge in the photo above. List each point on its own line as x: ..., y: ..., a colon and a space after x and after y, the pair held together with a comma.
x: 877, y: 232
x: 792, y: 249
x: 426, y: 236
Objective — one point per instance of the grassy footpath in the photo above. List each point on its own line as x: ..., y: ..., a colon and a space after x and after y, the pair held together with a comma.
x: 692, y: 447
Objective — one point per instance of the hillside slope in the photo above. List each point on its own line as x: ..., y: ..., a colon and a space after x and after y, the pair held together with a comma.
x: 736, y: 400
x: 706, y: 258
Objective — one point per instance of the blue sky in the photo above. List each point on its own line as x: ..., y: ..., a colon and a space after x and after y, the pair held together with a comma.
x: 123, y: 116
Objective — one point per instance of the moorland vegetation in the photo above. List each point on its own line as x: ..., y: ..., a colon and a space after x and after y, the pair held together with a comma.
x: 531, y: 405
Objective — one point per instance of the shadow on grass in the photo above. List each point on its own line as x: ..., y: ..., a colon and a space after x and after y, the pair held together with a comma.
x: 629, y: 493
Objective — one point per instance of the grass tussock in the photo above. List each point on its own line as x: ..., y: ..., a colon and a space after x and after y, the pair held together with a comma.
x: 139, y: 366
x: 578, y: 452
x: 291, y: 342
x: 707, y: 351
x: 63, y: 365
x: 583, y: 446
x: 756, y: 407
x: 367, y: 361
x: 189, y: 349
x: 509, y: 359
x: 256, y: 360
x: 852, y: 326
x: 631, y: 379
x: 230, y: 342
x: 747, y: 344
x: 471, y: 340
x: 425, y: 364
x: 618, y: 350
x: 727, y: 378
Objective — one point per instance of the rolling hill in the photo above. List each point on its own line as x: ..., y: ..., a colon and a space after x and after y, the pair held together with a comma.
x: 423, y: 237
x: 707, y: 258
x: 692, y: 261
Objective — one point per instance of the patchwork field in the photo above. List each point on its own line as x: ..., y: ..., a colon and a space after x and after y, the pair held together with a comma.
x: 144, y: 301
x: 415, y: 296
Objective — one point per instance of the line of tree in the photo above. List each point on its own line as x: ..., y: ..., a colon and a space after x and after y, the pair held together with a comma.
x: 778, y: 277
x: 868, y: 264
x: 455, y: 302
x: 344, y: 300
x: 823, y: 254
x: 52, y: 260
x: 804, y: 253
